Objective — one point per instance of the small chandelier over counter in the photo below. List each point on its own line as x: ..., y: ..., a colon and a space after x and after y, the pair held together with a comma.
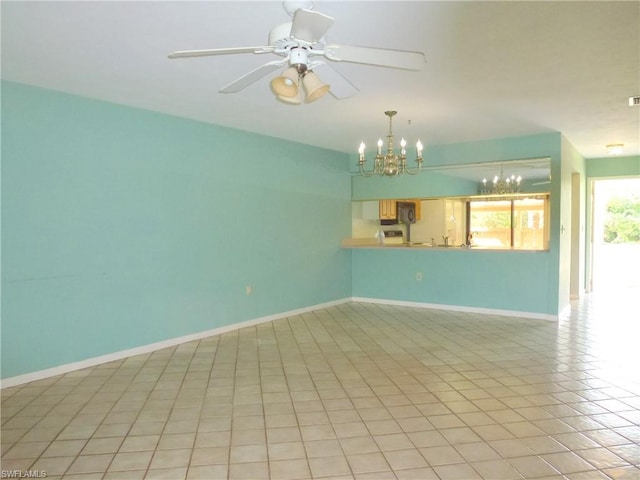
x: 391, y: 163
x: 501, y: 185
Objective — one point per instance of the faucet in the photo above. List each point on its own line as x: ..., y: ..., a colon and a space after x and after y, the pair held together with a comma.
x: 433, y: 242
x: 446, y: 241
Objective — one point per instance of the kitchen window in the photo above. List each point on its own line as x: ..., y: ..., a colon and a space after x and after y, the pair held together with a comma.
x: 519, y: 223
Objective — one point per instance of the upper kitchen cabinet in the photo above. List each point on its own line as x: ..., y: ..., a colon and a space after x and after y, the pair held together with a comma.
x: 388, y: 209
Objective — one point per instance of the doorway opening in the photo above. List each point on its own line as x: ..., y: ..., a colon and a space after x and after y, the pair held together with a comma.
x: 615, y: 235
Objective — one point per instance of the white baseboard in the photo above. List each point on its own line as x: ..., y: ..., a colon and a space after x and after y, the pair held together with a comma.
x: 151, y: 347
x: 457, y: 308
x: 566, y: 312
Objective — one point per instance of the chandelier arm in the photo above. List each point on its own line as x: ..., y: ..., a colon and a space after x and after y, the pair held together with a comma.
x: 414, y: 171
x: 364, y: 173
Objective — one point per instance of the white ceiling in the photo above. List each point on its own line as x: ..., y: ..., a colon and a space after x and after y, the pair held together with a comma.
x: 494, y: 69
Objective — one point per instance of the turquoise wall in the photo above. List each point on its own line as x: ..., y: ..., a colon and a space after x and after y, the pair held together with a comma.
x: 456, y: 277
x: 613, y: 167
x: 518, y: 281
x: 123, y: 227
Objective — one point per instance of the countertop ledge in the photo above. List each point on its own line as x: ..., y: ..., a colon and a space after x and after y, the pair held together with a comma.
x: 373, y: 243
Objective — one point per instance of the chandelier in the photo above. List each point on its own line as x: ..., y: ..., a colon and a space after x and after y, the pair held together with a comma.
x: 501, y: 184
x: 391, y: 163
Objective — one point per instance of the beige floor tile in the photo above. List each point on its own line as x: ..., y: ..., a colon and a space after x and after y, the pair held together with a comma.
x: 602, y: 458
x: 496, y: 470
x: 478, y: 451
x: 248, y: 437
x: 511, y: 448
x: 492, y: 432
x: 355, y: 445
x: 175, y: 473
x: 130, y: 461
x: 90, y: 463
x: 460, y: 435
x: 367, y: 463
x: 532, y: 467
x: 623, y: 473
x: 425, y: 473
x: 62, y: 448
x: 431, y: 438
x: 173, y: 441
x: 286, y: 451
x: 139, y: 443
x: 210, y: 456
x: 317, y: 432
x: 170, y: 458
x: 128, y: 475
x: 567, y: 462
x: 283, y: 434
x: 323, y: 448
x: 289, y: 469
x: 207, y: 472
x: 51, y: 465
x: 329, y: 466
x: 397, y: 441
x: 405, y: 459
x: 213, y: 439
x: 350, y: 429
x: 443, y: 455
x: 460, y: 471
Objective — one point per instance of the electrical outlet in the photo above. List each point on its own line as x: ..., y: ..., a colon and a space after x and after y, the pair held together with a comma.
x: 418, y: 276
x: 249, y: 290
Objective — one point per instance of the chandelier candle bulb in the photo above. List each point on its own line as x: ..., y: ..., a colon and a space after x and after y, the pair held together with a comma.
x: 379, y: 146
x: 403, y: 144
x: 419, y: 148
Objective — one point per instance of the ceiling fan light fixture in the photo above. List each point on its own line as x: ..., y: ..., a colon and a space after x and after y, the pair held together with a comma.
x: 314, y: 87
x: 287, y: 84
x: 615, y: 148
x: 296, y: 100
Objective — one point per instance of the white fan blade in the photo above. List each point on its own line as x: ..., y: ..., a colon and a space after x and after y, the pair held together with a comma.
x: 220, y: 51
x: 376, y: 56
x: 340, y: 87
x: 254, y: 75
x: 310, y: 26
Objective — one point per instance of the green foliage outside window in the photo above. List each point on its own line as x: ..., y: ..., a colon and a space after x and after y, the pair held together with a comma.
x: 492, y: 220
x: 623, y: 220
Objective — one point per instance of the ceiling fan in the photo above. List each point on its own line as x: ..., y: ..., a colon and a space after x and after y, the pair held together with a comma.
x: 303, y: 47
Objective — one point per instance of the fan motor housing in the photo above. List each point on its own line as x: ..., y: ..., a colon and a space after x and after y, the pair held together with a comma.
x: 298, y: 58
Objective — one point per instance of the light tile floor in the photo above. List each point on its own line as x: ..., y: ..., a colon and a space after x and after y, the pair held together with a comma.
x: 356, y: 391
